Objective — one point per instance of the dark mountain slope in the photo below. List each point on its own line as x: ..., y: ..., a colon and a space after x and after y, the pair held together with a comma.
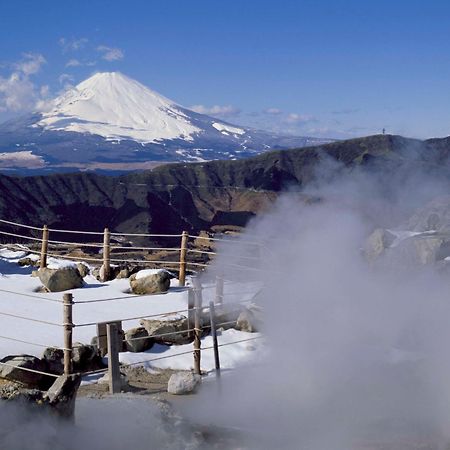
x: 197, y: 196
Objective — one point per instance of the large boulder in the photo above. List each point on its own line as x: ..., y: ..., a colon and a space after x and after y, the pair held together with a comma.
x: 150, y: 281
x: 171, y: 327
x: 63, y: 279
x: 13, y: 369
x: 137, y: 340
x: 181, y: 383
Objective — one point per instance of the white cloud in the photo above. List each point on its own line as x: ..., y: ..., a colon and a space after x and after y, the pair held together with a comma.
x: 66, y: 79
x: 30, y: 64
x: 216, y: 110
x: 110, y: 53
x: 73, y: 63
x: 72, y: 45
x: 17, y: 91
x: 273, y: 111
x: 294, y: 118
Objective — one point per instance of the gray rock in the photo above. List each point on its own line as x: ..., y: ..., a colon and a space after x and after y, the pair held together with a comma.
x: 13, y: 371
x: 83, y: 269
x: 24, y: 262
x: 123, y: 380
x: 54, y: 359
x: 135, y: 340
x: 57, y: 280
x: 62, y: 394
x: 151, y: 284
x: 248, y: 322
x: 181, y: 383
x: 170, y: 324
x: 86, y: 357
x: 377, y: 243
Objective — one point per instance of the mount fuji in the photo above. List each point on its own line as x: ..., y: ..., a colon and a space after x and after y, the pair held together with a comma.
x: 113, y: 123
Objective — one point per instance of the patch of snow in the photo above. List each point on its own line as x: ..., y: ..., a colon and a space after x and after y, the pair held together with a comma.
x: 222, y: 127
x: 19, y: 279
x: 147, y: 272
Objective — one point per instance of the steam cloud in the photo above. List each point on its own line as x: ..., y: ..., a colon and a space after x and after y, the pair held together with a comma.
x: 358, y: 356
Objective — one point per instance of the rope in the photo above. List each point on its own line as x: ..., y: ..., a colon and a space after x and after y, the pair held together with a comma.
x: 153, y: 336
x: 20, y: 225
x: 54, y: 230
x: 227, y: 240
x: 167, y: 249
x: 76, y: 244
x: 30, y: 370
x: 146, y: 235
x: 21, y: 236
x: 32, y: 343
x: 30, y: 319
x: 32, y: 296
x: 138, y: 317
x: 80, y: 302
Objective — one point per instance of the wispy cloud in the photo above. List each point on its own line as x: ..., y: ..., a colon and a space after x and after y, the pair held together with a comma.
x: 72, y: 44
x: 294, y: 118
x: 17, y: 91
x: 342, y: 112
x: 73, y: 63
x: 110, y: 53
x: 273, y: 111
x: 30, y: 64
x: 217, y: 110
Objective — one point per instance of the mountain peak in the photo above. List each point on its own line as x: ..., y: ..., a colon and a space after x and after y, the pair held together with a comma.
x: 117, y: 107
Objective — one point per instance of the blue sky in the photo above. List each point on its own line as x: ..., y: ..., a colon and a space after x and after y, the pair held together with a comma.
x: 324, y: 68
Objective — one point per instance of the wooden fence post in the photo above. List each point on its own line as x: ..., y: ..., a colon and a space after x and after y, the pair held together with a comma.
x: 113, y: 358
x: 219, y: 290
x: 44, y: 247
x: 191, y: 312
x: 183, y: 253
x: 212, y: 319
x: 68, y: 330
x: 198, y: 325
x: 105, y: 274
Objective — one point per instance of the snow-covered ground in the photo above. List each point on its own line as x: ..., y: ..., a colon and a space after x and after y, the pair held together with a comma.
x: 47, y: 307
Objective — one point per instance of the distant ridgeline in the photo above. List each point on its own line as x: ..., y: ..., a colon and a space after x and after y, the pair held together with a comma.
x: 217, y: 195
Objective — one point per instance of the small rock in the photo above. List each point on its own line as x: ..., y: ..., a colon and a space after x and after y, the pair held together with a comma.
x: 123, y: 380
x: 137, y: 340
x: 54, y: 358
x: 181, y: 383
x: 83, y: 269
x: 27, y: 262
x: 86, y: 357
x: 155, y: 283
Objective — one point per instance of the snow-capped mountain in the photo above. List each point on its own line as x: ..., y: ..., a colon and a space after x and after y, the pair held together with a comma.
x: 112, y: 122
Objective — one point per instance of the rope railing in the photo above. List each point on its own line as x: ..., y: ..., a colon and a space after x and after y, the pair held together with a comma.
x: 38, y: 297
x: 26, y: 369
x: 30, y: 319
x: 8, y: 338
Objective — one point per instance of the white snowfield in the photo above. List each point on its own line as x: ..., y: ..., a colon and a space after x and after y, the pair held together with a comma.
x: 46, y: 307
x: 111, y: 105
x: 227, y: 128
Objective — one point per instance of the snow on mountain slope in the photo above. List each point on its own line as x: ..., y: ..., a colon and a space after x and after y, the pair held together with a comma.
x: 115, y: 106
